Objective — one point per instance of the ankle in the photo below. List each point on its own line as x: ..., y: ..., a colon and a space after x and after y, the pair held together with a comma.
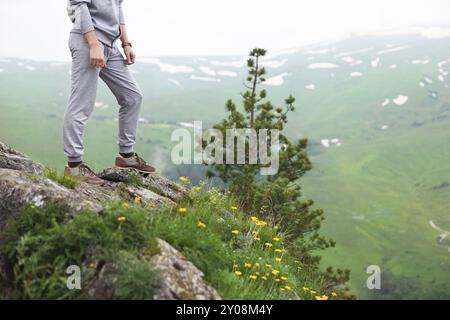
x: 74, y: 164
x: 126, y: 155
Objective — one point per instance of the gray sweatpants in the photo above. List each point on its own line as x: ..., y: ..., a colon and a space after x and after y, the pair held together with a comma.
x: 85, y: 76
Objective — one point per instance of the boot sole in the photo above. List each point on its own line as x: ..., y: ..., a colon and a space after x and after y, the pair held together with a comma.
x: 141, y: 171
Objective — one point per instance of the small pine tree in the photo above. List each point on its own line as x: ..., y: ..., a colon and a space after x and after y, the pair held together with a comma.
x: 277, y: 198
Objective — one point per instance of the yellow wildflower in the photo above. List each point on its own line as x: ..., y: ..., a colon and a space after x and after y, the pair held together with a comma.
x: 264, y: 278
x: 121, y: 218
x: 282, y: 289
x: 184, y: 179
x: 234, y: 208
x: 257, y: 273
x: 268, y: 245
x: 238, y: 273
x: 324, y: 297
x: 254, y: 219
x: 276, y: 239
x: 284, y: 278
x: 288, y: 288
x: 334, y: 294
x: 257, y: 239
x: 305, y: 289
x: 235, y: 232
x: 312, y: 292
x: 277, y: 280
x: 137, y: 199
x: 235, y: 266
x: 257, y: 265
x: 275, y: 272
x: 247, y: 265
x: 182, y: 210
x: 278, y: 251
x: 196, y: 189
x: 268, y: 265
x: 278, y: 259
x: 253, y: 277
x: 255, y: 233
x: 201, y: 225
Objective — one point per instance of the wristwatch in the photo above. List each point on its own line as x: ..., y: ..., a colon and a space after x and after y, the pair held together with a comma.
x: 126, y: 44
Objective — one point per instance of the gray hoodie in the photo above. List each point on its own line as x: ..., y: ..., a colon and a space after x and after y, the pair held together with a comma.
x: 103, y: 16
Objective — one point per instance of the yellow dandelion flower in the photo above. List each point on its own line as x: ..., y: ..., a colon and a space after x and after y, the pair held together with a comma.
x: 276, y: 239
x: 257, y: 265
x: 268, y: 245
x: 201, y: 225
x: 247, y: 265
x: 184, y: 179
x: 275, y: 272
x: 257, y: 239
x: 196, y: 189
x: 235, y: 232
x: 305, y: 289
x: 264, y: 278
x: 138, y: 199
x: 234, y: 208
x: 235, y: 266
x: 334, y: 294
x: 284, y: 278
x: 121, y: 218
x: 238, y: 273
x: 255, y: 233
x: 278, y: 251
x: 268, y: 265
x: 254, y: 219
x: 312, y: 292
x: 288, y: 288
x: 182, y: 210
x: 253, y: 277
x: 324, y: 297
x: 278, y: 259
x: 277, y: 280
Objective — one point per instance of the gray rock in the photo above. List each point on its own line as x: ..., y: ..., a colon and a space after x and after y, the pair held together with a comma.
x: 182, y: 280
x: 12, y: 159
x: 22, y: 184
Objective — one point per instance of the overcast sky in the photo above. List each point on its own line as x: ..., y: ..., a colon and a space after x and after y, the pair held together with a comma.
x: 38, y: 29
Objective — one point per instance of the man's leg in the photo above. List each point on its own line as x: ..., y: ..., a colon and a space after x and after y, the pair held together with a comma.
x: 82, y: 98
x: 119, y: 79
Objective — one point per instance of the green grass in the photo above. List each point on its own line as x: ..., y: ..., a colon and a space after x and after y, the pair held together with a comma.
x: 63, y: 179
x: 42, y: 243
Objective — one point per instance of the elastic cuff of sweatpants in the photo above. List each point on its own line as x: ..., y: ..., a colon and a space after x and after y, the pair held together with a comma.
x: 75, y: 159
x: 125, y: 149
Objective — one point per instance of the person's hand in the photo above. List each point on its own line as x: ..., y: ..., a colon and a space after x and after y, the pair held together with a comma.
x: 97, y: 56
x: 130, y: 55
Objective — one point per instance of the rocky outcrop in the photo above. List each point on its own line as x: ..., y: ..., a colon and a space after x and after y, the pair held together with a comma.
x: 23, y: 184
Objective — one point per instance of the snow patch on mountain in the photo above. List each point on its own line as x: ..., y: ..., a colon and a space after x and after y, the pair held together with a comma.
x: 356, y: 74
x: 277, y: 80
x: 225, y: 73
x: 375, y: 62
x: 396, y: 49
x: 386, y: 102
x: 233, y: 64
x: 322, y: 65
x: 401, y: 100
x: 208, y: 71
x: 166, y: 67
x: 311, y: 87
x: 176, y: 83
x: 352, y: 53
x: 204, y: 79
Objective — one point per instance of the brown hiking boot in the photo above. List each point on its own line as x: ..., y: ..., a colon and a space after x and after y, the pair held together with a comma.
x: 134, y: 162
x: 84, y: 173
